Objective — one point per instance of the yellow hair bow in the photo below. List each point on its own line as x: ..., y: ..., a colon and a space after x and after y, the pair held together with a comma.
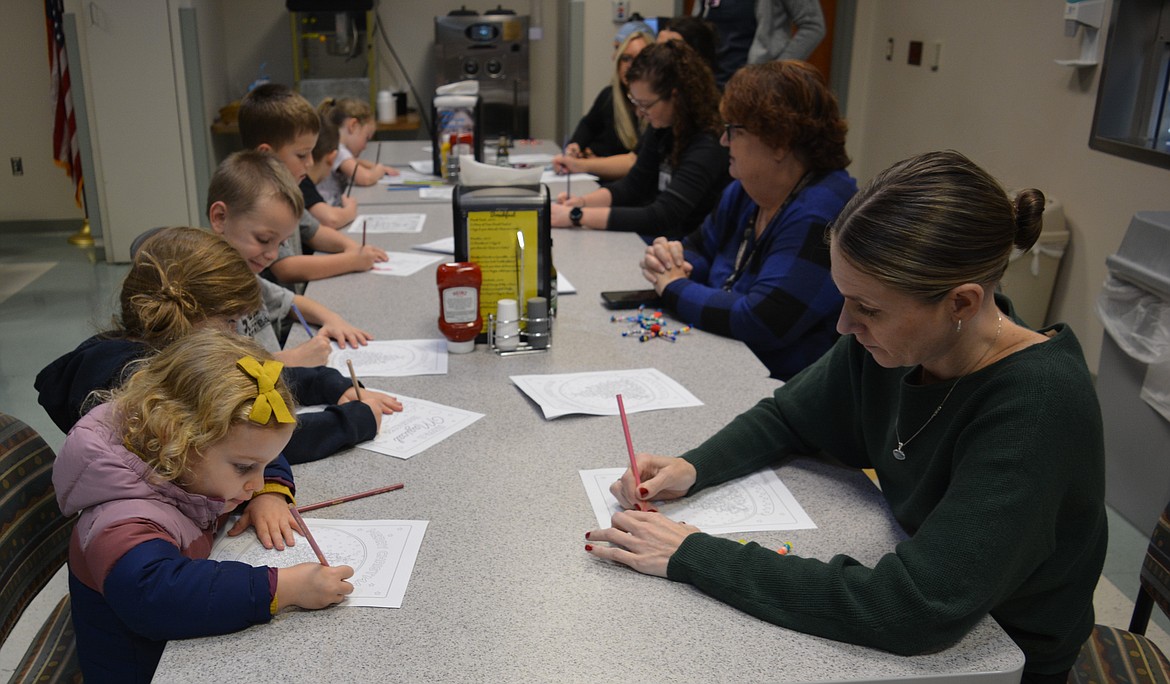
x: 268, y: 400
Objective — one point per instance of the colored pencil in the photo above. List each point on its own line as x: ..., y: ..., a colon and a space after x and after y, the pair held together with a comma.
x: 352, y: 177
x: 353, y: 376
x: 308, y: 535
x: 630, y: 447
x: 351, y: 497
x: 301, y: 318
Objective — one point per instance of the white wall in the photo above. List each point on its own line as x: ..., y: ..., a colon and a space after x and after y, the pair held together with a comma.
x: 999, y: 98
x: 26, y: 122
x: 598, y: 32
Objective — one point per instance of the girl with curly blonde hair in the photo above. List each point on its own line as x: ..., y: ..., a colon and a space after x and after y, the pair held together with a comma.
x: 152, y: 474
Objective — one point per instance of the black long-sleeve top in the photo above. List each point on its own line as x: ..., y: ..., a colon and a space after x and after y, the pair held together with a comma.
x: 596, y: 130
x: 659, y: 198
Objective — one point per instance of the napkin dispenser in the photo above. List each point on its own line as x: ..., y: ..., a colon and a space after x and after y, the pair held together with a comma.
x: 507, y: 230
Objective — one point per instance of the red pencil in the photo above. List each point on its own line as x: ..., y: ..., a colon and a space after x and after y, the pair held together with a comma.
x: 642, y: 506
x: 309, y: 536
x: 351, y: 497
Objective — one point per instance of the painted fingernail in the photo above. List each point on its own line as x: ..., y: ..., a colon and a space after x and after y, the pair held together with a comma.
x: 588, y: 547
x: 643, y: 491
x: 587, y: 534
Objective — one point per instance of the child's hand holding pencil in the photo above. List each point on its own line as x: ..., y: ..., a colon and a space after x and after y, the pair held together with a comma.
x: 312, y: 585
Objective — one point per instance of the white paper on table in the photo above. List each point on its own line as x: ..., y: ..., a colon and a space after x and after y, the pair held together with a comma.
x: 442, y: 246
x: 439, y: 192
x: 642, y: 389
x: 381, y: 552
x: 563, y: 284
x: 388, y: 223
x: 424, y: 166
x: 554, y: 177
x: 753, y: 503
x: 419, y: 426
x: 405, y: 175
x: 530, y: 159
x: 404, y: 263
x: 392, y: 358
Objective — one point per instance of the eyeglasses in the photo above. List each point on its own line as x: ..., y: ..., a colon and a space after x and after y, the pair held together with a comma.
x: 728, y: 128
x: 640, y: 106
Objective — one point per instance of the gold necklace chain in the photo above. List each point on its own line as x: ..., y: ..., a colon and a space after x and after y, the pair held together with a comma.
x: 899, y: 454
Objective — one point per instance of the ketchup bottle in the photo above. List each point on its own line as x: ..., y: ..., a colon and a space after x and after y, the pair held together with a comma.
x: 459, y: 317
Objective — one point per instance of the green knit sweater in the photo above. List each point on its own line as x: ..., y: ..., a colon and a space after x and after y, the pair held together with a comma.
x: 1002, y: 496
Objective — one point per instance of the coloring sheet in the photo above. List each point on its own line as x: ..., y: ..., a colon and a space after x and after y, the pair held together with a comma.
x: 549, y: 177
x: 404, y: 263
x: 381, y: 552
x: 438, y: 192
x: 564, y: 286
x: 442, y: 246
x: 407, y: 176
x: 392, y: 358
x: 531, y: 159
x: 420, y: 425
x: 388, y: 223
x: 753, y: 503
x: 643, y: 389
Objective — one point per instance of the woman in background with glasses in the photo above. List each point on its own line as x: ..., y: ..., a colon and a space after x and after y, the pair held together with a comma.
x: 680, y: 170
x: 758, y: 268
x: 606, y: 138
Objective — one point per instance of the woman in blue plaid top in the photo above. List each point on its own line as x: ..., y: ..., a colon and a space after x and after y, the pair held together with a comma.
x: 758, y: 268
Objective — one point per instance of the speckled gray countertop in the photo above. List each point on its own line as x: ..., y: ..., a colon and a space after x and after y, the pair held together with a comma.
x: 503, y: 590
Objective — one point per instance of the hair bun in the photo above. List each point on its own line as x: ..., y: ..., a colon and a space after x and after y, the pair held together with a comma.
x: 1029, y: 214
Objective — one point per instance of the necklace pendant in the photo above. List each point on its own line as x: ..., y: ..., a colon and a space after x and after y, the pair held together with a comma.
x: 899, y: 454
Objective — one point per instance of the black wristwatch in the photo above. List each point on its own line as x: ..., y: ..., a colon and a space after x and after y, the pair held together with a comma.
x: 575, y: 215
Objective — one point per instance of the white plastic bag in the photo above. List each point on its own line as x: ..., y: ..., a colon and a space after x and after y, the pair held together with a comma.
x: 1137, y: 320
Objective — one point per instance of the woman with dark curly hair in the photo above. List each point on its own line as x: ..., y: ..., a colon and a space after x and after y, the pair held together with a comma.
x: 758, y: 268
x: 681, y: 168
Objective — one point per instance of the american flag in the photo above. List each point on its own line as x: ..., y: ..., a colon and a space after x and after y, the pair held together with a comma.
x: 66, y: 153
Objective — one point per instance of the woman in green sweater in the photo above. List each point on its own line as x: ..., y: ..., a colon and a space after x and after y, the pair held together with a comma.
x: 986, y: 437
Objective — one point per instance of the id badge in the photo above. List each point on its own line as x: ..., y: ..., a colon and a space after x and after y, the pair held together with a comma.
x: 663, y: 179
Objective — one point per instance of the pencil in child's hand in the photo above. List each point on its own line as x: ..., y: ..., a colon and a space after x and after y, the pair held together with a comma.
x: 301, y: 318
x: 351, y: 497
x: 308, y: 535
x: 352, y: 177
x: 642, y: 506
x: 353, y: 376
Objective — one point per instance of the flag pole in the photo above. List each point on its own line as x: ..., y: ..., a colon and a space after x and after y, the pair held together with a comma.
x: 83, y: 237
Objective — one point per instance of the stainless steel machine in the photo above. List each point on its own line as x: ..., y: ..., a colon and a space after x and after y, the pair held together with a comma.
x: 491, y: 48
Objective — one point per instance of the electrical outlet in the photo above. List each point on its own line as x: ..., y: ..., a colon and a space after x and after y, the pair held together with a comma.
x: 17, y: 166
x: 914, y: 56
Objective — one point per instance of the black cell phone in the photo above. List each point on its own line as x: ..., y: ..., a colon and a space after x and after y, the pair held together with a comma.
x: 629, y: 299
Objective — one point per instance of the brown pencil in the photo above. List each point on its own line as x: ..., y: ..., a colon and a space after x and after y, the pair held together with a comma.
x: 308, y: 535
x: 351, y: 497
x: 353, y: 377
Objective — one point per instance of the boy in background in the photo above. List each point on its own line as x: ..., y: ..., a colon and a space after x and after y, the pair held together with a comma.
x: 324, y: 153
x: 253, y: 202
x: 274, y: 118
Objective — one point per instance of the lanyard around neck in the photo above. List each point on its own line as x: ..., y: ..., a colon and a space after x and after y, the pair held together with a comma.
x: 744, y: 254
